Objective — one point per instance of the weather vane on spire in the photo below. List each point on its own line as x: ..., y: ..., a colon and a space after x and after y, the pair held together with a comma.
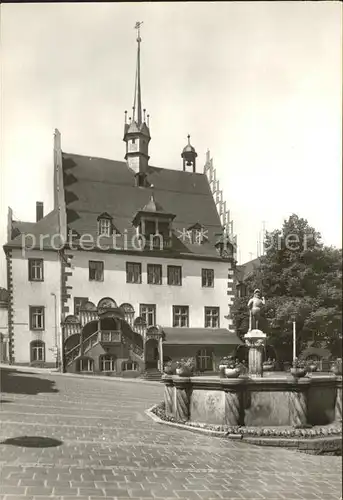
x: 138, y: 28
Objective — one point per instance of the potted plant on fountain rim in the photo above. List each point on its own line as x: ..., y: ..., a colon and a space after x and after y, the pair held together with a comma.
x: 222, y: 365
x: 312, y: 365
x: 298, y: 368
x: 232, y: 369
x: 168, y: 368
x: 336, y: 367
x: 269, y: 365
x: 185, y: 367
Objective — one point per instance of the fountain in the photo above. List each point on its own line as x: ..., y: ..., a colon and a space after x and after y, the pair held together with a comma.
x: 296, y: 399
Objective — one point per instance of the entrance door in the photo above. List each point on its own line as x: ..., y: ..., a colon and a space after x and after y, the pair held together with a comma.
x: 204, y: 360
x: 3, y: 353
x: 151, y: 354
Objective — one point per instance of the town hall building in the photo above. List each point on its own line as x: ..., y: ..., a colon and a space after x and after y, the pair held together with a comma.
x: 133, y: 267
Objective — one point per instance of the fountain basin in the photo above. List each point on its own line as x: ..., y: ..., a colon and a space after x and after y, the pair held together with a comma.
x: 276, y: 400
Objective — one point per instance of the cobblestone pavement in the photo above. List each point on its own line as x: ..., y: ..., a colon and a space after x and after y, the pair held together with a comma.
x: 111, y: 449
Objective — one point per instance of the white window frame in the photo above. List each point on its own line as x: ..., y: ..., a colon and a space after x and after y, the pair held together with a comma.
x: 108, y: 363
x: 132, y: 364
x: 37, y: 318
x: 105, y: 226
x: 180, y: 316
x: 36, y: 270
x: 90, y: 364
x: 37, y: 352
x: 212, y: 317
x: 148, y: 313
x: 207, y: 278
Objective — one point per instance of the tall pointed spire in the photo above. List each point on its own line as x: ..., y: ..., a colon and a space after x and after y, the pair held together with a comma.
x: 136, y: 131
x: 137, y: 103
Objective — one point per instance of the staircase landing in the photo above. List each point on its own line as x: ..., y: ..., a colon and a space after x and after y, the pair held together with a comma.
x: 152, y: 374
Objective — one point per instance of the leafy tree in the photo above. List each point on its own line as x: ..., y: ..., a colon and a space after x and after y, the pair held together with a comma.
x: 301, y: 280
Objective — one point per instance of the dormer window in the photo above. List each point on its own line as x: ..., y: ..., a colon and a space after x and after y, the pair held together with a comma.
x: 105, y: 225
x: 197, y: 234
x: 133, y: 141
x: 154, y: 224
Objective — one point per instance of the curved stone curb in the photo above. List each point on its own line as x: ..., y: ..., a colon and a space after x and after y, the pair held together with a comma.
x: 325, y: 443
x: 52, y: 371
x: 158, y: 420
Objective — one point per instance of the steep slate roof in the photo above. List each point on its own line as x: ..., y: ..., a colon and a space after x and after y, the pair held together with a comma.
x: 97, y: 185
x: 244, y: 271
x: 93, y: 186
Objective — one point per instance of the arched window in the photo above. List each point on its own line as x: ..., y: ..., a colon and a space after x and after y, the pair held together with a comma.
x: 129, y: 312
x: 37, y: 351
x: 86, y: 365
x: 107, y: 363
x: 129, y: 365
x: 204, y: 360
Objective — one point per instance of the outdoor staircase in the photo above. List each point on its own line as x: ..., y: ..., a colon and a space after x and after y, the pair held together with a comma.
x: 136, y: 352
x: 152, y: 374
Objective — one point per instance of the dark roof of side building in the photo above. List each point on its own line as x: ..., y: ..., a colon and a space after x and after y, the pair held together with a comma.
x: 243, y: 271
x: 200, y: 336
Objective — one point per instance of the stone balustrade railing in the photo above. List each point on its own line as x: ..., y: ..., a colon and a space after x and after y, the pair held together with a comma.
x: 266, y: 401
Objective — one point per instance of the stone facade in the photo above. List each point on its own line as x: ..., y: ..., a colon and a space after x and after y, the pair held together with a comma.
x: 55, y: 316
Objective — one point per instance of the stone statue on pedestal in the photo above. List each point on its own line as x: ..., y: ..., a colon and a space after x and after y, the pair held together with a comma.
x: 255, y: 305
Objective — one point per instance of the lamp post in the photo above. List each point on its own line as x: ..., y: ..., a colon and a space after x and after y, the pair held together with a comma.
x: 56, y: 339
x: 294, y: 340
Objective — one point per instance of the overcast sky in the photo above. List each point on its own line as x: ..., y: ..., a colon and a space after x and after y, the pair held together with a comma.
x: 259, y: 84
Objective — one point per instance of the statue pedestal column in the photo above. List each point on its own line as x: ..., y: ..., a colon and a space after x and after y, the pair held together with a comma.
x: 255, y: 340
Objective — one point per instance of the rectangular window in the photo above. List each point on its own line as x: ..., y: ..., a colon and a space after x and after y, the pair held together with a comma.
x: 133, y: 272
x: 105, y: 227
x: 211, y: 317
x: 207, y: 278
x: 181, y: 316
x: 154, y: 274
x: 96, y: 270
x: 174, y: 275
x: 79, y: 302
x: 108, y: 363
x: 148, y: 313
x: 36, y: 318
x: 37, y: 351
x: 86, y: 365
x: 130, y: 365
x: 36, y: 270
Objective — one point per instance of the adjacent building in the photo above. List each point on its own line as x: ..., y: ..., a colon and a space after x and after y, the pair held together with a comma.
x: 133, y: 267
x: 3, y: 325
